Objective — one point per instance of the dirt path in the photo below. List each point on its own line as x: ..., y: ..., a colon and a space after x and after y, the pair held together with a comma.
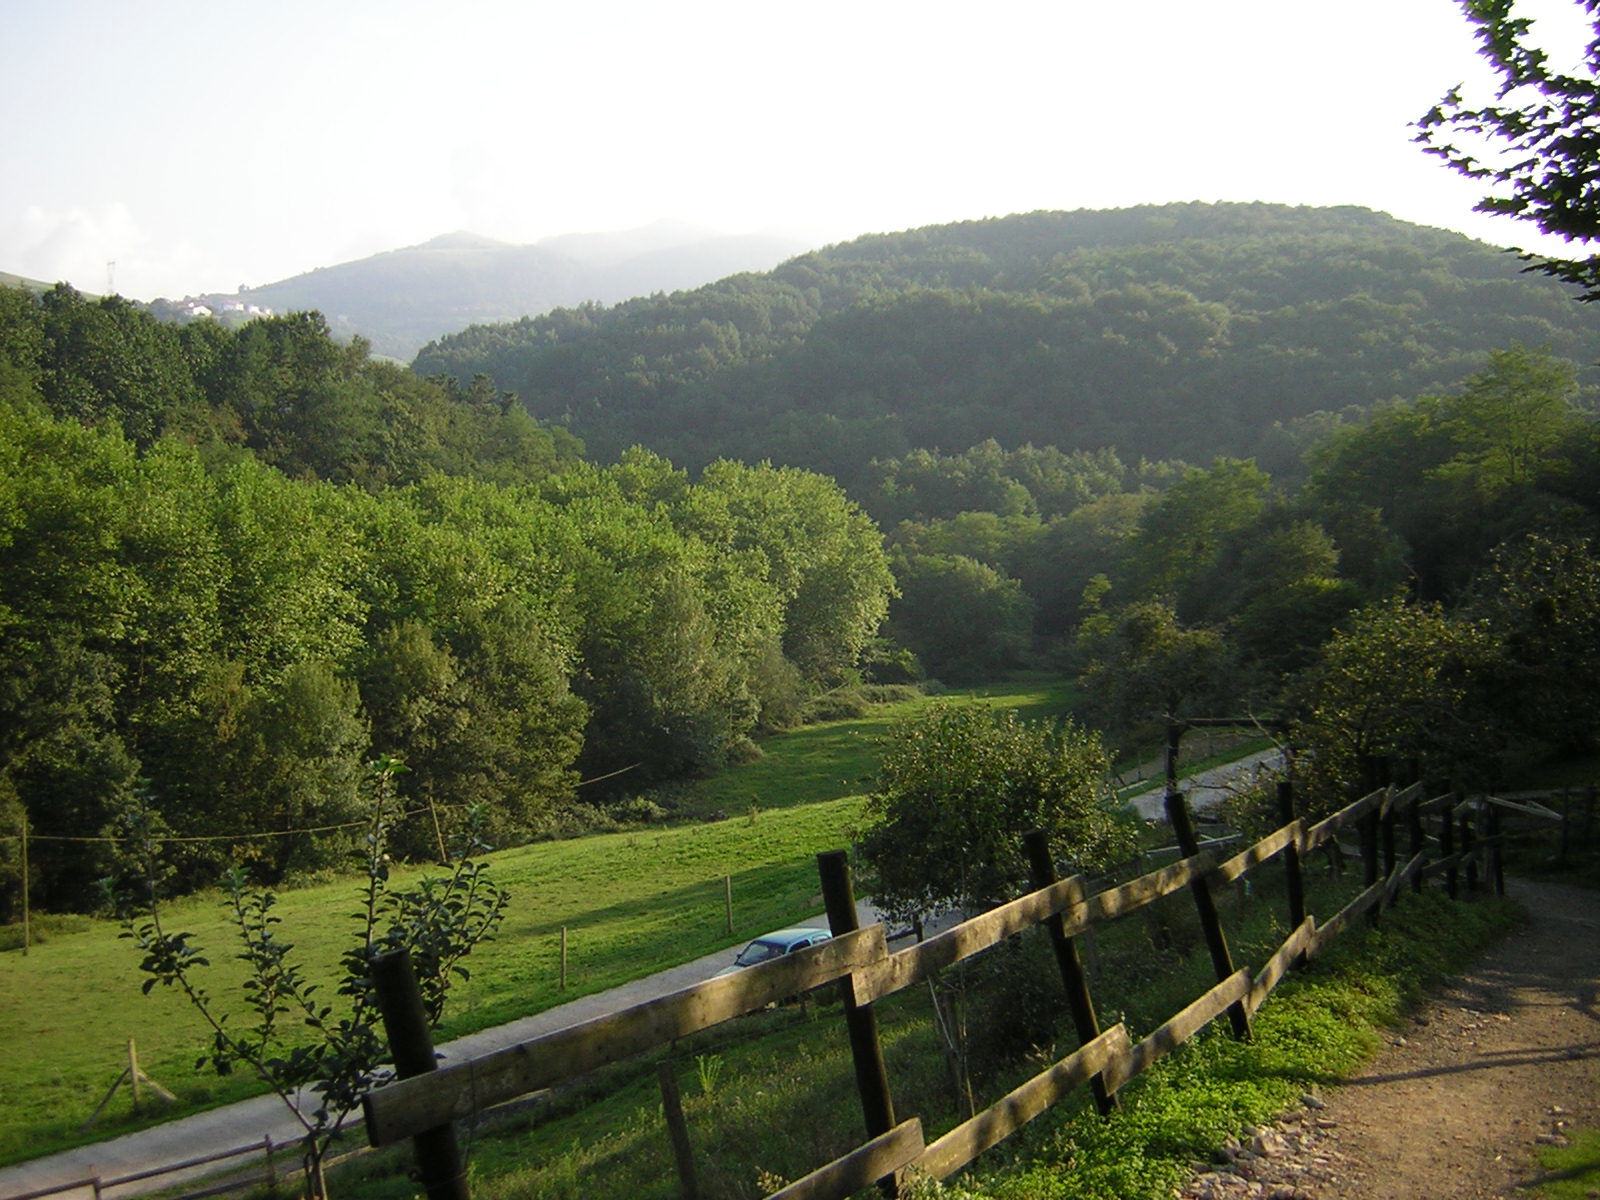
x: 1209, y: 788
x: 1457, y: 1103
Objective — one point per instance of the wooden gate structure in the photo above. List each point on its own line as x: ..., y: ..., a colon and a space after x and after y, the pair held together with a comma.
x: 1450, y: 836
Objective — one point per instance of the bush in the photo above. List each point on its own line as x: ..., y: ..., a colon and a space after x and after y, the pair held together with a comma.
x: 958, y: 789
x: 842, y: 704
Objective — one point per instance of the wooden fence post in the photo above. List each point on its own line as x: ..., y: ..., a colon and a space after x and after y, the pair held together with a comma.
x: 727, y: 900
x: 1291, y: 858
x: 1042, y: 873
x: 1387, y: 831
x: 1447, y: 844
x: 439, y: 1165
x: 1468, y: 818
x: 1418, y: 839
x: 563, y: 958
x: 1369, y: 857
x: 677, y: 1129
x: 27, y: 924
x: 1210, y: 922
x: 866, y: 1050
x: 1497, y: 864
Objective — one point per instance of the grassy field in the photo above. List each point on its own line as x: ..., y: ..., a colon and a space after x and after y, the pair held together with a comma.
x: 840, y: 758
x: 633, y: 903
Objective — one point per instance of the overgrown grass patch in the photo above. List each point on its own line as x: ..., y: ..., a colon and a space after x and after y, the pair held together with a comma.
x: 840, y: 758
x: 1570, y: 1172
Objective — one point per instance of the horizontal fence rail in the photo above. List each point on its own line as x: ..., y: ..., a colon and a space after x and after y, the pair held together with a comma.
x: 863, y: 966
x: 100, y: 1184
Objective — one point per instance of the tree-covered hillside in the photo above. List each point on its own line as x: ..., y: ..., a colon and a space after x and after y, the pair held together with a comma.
x: 1176, y: 331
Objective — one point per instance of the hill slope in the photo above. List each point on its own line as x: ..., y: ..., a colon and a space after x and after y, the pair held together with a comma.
x: 400, y: 299
x: 1185, y: 330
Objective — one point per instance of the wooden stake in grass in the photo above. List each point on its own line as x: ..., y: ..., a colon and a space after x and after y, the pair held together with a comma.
x: 1042, y: 873
x: 26, y: 932
x: 563, y: 958
x: 677, y: 1129
x: 133, y: 1075
x: 134, y: 1078
x: 1210, y: 922
x: 439, y: 1164
x: 727, y: 896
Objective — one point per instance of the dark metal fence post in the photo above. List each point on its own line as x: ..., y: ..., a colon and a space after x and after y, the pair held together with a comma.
x: 1174, y: 748
x: 1497, y: 864
x: 1368, y: 829
x: 1387, y: 830
x: 439, y: 1164
x: 1210, y: 922
x: 872, y: 1078
x: 1042, y: 873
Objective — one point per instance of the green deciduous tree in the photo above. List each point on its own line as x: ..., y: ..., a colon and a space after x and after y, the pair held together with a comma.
x: 1404, y: 682
x: 963, y: 619
x: 1540, y: 599
x: 958, y: 789
x: 1144, y: 665
x: 1182, y: 534
x: 1509, y: 416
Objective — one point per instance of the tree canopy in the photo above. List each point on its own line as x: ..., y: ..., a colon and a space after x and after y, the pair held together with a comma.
x: 958, y: 790
x: 239, y: 590
x: 1536, y: 144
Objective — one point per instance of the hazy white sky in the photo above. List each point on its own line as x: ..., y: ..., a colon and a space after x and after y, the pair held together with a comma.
x: 201, y: 147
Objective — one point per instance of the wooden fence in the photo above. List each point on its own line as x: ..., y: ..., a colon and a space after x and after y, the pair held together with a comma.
x: 1447, y: 835
x: 99, y: 1185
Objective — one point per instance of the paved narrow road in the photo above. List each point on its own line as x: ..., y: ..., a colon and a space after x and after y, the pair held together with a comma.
x: 1208, y: 788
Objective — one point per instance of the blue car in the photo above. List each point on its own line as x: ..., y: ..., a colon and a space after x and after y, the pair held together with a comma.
x: 775, y: 945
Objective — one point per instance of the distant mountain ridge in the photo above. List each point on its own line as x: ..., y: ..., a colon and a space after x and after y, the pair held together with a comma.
x: 402, y: 299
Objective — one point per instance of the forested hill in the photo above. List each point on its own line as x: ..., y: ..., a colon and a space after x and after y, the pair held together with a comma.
x: 1181, y: 330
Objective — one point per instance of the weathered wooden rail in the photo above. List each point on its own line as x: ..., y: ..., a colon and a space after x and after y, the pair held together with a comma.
x: 860, y: 964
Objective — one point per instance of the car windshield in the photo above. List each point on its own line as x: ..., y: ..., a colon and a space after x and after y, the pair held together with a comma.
x: 759, y: 951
